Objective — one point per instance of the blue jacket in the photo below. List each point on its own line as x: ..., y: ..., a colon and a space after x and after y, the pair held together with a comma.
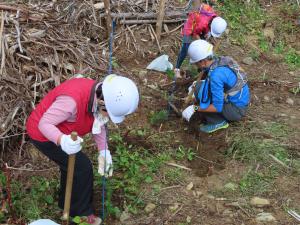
x: 221, y: 80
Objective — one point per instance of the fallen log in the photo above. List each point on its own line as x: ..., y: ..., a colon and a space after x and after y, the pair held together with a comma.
x: 130, y: 22
x: 148, y: 15
x: 160, y: 18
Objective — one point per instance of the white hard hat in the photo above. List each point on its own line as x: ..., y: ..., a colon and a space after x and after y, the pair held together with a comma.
x: 43, y: 222
x: 199, y: 50
x: 121, y: 97
x: 218, y: 26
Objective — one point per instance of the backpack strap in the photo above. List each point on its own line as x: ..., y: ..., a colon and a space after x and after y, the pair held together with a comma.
x: 241, y: 76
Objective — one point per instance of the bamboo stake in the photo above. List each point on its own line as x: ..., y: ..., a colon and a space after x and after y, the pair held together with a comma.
x: 160, y: 18
x: 108, y: 16
x: 69, y: 185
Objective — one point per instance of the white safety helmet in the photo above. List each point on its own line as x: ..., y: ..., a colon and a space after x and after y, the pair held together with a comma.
x: 218, y: 26
x: 121, y: 97
x: 43, y: 222
x: 199, y: 50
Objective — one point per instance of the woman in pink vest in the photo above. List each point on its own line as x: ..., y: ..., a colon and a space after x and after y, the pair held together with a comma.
x: 85, y: 106
x: 202, y: 23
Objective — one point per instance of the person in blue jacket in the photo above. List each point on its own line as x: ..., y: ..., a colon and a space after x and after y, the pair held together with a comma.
x: 224, y: 95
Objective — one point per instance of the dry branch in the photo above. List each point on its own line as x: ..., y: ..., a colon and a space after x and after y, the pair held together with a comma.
x: 147, y: 15
x: 160, y: 18
x: 130, y: 22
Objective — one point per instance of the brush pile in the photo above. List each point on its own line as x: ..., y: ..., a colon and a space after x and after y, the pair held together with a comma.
x: 42, y: 43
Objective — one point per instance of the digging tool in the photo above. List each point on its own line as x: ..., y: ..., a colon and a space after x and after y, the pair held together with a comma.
x: 70, y: 174
x: 189, y: 98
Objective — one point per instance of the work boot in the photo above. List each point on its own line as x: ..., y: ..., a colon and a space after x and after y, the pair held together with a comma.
x: 93, y: 220
x: 210, y: 128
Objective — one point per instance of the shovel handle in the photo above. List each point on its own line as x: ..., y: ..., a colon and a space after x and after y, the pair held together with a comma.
x: 70, y: 174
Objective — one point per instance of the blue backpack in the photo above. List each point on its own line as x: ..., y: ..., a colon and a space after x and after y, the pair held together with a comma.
x: 203, y: 92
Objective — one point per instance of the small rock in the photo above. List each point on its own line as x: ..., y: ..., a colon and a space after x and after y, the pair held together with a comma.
x: 150, y: 207
x: 269, y: 33
x: 265, y: 217
x: 174, y: 207
x: 189, y: 186
x: 292, y: 73
x: 230, y: 186
x: 259, y: 202
x: 197, y: 194
x: 210, y: 196
x: 124, y: 216
x: 293, y: 117
x: 266, y: 98
x: 188, y: 219
x: 290, y: 101
x: 248, y: 61
x: 227, y: 212
x: 283, y: 115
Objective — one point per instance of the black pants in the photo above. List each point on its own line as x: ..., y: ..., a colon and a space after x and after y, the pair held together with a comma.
x: 82, y: 191
x: 229, y: 113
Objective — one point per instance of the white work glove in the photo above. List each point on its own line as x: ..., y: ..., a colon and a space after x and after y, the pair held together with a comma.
x: 191, y: 87
x: 177, y: 73
x: 188, y: 112
x: 108, y: 164
x: 69, y: 146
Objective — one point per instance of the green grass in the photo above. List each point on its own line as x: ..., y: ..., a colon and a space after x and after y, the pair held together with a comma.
x: 263, y: 43
x: 173, y: 176
x: 184, y: 154
x: 279, y: 47
x: 254, y: 183
x: 253, y: 146
x: 292, y: 58
x: 243, y: 19
x: 170, y: 73
x: 135, y: 167
x: 34, y: 201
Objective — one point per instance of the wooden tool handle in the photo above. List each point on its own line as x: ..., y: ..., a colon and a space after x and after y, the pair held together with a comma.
x: 70, y: 174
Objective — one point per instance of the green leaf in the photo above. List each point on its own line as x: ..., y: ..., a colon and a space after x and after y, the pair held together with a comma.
x: 148, y: 179
x: 49, y: 199
x: 77, y: 219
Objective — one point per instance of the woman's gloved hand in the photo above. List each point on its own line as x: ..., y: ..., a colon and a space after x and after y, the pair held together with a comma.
x: 105, y: 164
x: 69, y: 146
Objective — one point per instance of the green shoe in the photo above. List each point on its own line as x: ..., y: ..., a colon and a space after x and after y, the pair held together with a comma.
x: 210, y: 128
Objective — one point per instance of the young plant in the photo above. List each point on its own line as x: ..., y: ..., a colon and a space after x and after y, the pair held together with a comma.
x: 158, y: 117
x: 170, y: 73
x: 292, y: 58
x: 183, y: 153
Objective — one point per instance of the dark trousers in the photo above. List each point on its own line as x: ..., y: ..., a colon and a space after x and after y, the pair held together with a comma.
x: 229, y: 113
x: 82, y: 190
x: 182, y: 54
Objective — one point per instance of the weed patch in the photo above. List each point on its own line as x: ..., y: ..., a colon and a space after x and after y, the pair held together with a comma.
x: 32, y: 202
x: 254, y: 146
x: 292, y: 58
x: 158, y: 117
x: 244, y: 19
x: 135, y: 166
